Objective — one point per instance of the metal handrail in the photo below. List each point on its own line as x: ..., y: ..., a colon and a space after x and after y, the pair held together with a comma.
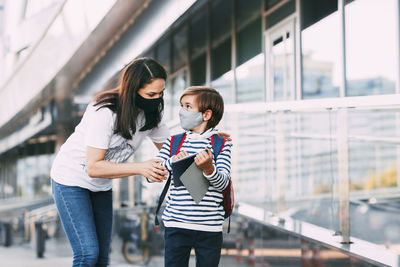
x: 391, y: 101
x: 295, y: 135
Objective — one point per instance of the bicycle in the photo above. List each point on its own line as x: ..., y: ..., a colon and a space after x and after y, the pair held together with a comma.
x: 141, y: 238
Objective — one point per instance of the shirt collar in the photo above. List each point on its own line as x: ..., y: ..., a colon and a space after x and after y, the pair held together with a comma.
x: 204, y: 135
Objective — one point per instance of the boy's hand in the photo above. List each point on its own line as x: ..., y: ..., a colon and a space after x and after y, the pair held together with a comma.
x: 204, y: 160
x: 180, y: 155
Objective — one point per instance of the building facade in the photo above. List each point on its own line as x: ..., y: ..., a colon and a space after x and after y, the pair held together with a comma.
x: 311, y: 90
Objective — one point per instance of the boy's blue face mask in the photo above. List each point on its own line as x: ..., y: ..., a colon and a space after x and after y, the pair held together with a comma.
x: 190, y: 119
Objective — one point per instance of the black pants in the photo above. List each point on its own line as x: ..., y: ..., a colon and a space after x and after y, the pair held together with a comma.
x: 179, y: 242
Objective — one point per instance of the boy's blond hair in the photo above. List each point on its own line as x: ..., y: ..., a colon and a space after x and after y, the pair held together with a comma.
x: 207, y: 98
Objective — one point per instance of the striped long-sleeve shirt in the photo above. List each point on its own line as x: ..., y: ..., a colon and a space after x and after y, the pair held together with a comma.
x: 181, y: 210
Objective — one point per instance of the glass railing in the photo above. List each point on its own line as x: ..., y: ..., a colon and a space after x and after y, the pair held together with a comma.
x: 331, y: 164
x: 321, y: 165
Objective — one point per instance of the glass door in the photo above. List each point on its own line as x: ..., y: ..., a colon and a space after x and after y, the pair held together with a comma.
x: 280, y: 51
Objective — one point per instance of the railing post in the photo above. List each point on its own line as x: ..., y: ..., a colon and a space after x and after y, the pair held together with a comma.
x: 343, y: 175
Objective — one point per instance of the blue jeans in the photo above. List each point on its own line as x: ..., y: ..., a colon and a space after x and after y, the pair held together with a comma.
x: 179, y: 242
x: 87, y: 220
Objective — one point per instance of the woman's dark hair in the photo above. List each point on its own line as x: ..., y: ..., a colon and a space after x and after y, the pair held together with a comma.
x: 122, y: 100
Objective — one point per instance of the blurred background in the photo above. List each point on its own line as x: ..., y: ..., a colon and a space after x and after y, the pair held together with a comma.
x: 312, y: 98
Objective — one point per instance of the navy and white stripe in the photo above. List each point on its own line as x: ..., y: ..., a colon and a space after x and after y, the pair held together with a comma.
x: 181, y: 210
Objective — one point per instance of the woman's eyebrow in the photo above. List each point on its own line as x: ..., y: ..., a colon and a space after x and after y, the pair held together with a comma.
x: 151, y: 92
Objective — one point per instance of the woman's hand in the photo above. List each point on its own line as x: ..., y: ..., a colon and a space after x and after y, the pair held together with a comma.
x: 180, y: 155
x: 225, y: 135
x: 152, y: 170
x: 204, y: 160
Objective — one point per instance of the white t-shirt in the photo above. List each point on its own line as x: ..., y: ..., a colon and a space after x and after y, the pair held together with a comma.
x: 96, y: 129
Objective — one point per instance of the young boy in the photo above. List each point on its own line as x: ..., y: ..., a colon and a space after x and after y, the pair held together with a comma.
x: 187, y: 224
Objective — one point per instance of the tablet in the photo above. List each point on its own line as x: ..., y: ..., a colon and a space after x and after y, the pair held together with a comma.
x: 179, y: 167
x: 195, y: 182
x: 185, y: 172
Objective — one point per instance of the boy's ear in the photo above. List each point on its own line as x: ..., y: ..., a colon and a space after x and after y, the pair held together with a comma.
x: 207, y: 115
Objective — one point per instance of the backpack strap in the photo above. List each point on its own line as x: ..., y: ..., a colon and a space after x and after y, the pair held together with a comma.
x: 176, y: 143
x: 161, y: 199
x: 217, y: 143
x: 175, y: 146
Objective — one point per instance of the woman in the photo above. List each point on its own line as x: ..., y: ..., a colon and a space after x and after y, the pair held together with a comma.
x: 111, y: 130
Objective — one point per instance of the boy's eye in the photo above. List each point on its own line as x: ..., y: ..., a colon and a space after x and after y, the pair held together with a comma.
x: 185, y: 106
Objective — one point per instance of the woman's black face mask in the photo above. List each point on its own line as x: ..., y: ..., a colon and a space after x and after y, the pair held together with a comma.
x: 148, y: 105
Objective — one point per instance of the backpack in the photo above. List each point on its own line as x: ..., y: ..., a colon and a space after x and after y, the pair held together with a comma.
x: 217, y: 143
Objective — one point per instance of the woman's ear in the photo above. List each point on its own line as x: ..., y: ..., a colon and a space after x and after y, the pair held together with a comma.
x: 207, y: 115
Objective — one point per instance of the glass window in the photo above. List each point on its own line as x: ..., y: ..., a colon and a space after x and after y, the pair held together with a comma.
x: 371, y: 66
x: 249, y: 41
x: 271, y: 3
x: 221, y: 59
x: 250, y: 80
x: 321, y: 49
x: 198, y: 38
x: 281, y: 13
x: 249, y: 74
x: 32, y: 175
x: 221, y: 38
x: 246, y: 12
x: 220, y: 20
x: 198, y: 33
x: 178, y: 85
x: 281, y: 62
x: 164, y: 54
x: 198, y: 70
x: 180, y: 48
x: 224, y: 85
x: 221, y: 47
x: 168, y: 101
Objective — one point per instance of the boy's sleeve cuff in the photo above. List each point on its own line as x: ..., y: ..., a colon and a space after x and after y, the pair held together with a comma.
x: 211, y: 175
x: 168, y: 165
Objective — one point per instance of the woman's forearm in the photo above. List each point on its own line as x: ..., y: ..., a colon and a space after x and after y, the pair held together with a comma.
x: 108, y: 169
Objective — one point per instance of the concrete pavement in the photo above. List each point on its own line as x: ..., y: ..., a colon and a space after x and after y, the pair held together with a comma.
x: 58, y: 254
